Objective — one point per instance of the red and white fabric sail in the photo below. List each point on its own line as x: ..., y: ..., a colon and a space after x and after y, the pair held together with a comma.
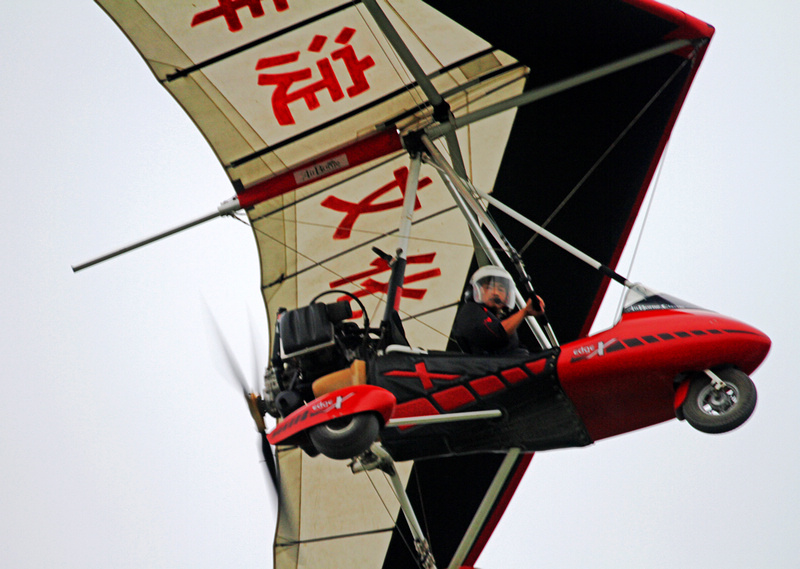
x: 305, y: 105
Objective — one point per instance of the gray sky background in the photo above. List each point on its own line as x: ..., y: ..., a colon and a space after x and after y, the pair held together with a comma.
x: 122, y: 443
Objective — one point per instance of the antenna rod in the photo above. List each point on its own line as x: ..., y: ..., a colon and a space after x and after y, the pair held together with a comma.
x: 225, y: 208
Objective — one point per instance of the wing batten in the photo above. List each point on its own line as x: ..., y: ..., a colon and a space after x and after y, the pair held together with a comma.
x: 425, y: 105
x: 255, y: 43
x: 325, y: 496
x: 332, y: 537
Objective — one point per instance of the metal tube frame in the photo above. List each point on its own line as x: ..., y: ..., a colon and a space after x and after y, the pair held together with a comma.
x: 528, y: 97
x: 404, y: 231
x: 420, y: 541
x: 446, y: 128
x: 446, y: 418
x: 577, y: 253
x: 441, y: 109
x: 485, y: 509
x: 409, y: 199
x: 475, y: 216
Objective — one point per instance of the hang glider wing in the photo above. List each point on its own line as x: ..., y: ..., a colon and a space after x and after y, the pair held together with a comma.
x: 306, y: 105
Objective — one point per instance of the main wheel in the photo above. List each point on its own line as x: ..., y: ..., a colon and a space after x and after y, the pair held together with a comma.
x: 346, y: 437
x: 713, y: 410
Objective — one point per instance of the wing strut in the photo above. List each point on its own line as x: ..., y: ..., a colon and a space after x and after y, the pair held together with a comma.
x: 485, y: 509
x: 435, y: 131
x: 476, y: 216
x: 399, y: 261
x: 607, y: 271
x: 380, y: 458
x: 441, y: 109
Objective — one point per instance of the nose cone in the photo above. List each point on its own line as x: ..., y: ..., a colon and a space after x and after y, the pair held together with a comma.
x: 748, y: 345
x: 696, y: 339
x: 715, y: 339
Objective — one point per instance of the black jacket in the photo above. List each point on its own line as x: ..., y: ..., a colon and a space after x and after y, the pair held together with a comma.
x: 478, y: 330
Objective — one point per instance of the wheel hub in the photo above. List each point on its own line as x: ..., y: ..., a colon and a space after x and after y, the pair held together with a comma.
x: 713, y: 401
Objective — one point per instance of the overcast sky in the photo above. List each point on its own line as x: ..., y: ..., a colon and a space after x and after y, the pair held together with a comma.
x: 122, y: 442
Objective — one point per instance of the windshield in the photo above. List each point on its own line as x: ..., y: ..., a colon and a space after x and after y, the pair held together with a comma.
x: 640, y: 298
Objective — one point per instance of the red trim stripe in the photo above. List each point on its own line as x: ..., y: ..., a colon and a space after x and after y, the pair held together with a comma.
x: 359, y: 152
x: 453, y: 398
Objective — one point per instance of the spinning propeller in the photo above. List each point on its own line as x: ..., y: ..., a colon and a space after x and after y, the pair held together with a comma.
x: 252, y: 399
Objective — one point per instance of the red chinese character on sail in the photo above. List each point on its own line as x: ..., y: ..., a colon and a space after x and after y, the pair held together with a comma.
x: 229, y: 9
x: 367, y: 285
x: 353, y: 210
x: 287, y: 92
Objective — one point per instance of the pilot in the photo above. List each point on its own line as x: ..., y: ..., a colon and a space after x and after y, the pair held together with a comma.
x: 485, y: 324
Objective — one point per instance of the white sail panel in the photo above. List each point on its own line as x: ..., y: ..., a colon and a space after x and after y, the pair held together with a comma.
x: 363, y: 210
x: 331, y: 517
x: 253, y: 74
x: 204, y: 29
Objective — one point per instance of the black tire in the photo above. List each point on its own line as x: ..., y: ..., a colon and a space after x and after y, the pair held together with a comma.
x: 346, y: 437
x: 719, y: 411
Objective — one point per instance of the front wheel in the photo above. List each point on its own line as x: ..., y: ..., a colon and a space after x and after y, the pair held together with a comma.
x: 718, y: 410
x: 346, y: 437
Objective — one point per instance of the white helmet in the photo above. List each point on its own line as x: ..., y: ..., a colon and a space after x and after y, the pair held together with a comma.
x: 492, y: 274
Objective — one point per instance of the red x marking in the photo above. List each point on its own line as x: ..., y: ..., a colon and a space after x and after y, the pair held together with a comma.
x: 423, y: 375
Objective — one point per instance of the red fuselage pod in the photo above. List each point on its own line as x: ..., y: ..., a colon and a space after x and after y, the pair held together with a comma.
x: 624, y: 378
x: 335, y: 405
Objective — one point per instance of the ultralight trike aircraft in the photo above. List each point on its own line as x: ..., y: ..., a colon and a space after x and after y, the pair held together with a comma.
x: 349, y: 129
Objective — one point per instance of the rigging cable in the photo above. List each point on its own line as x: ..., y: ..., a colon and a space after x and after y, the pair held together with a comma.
x: 323, y: 265
x: 409, y: 547
x: 608, y: 151
x: 650, y: 199
x: 408, y: 82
